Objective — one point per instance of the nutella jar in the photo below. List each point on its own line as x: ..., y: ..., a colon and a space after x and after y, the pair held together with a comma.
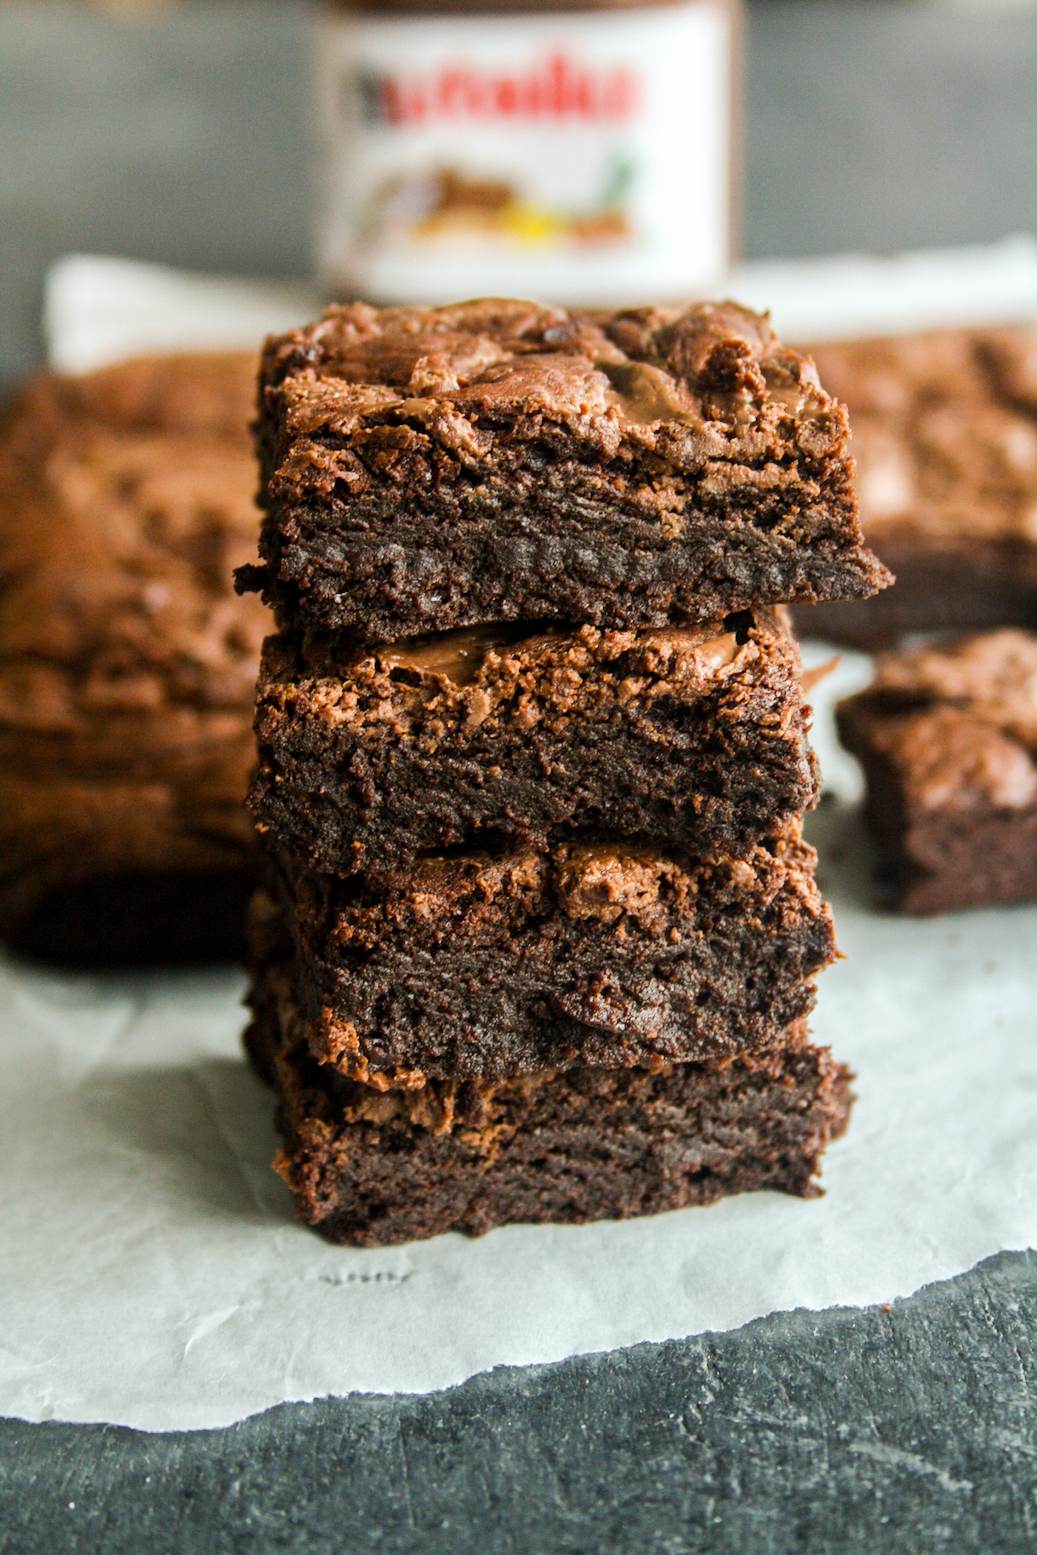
x: 577, y: 154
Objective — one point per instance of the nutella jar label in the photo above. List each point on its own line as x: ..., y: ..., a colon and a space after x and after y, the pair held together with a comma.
x: 577, y: 158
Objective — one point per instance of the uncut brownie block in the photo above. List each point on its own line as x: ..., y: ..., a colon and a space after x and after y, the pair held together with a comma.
x: 127, y: 663
x: 431, y: 468
x: 372, y: 1167
x: 948, y: 740
x: 471, y: 965
x: 945, y: 443
x: 684, y: 736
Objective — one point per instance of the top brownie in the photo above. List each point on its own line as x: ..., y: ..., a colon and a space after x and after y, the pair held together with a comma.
x: 431, y: 468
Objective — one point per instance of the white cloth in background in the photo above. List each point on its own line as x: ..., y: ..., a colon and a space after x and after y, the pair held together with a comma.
x: 99, y: 310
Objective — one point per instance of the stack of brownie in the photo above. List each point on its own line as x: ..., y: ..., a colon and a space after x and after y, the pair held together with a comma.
x: 538, y: 930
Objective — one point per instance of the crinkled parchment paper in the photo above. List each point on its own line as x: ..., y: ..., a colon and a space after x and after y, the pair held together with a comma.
x: 152, y: 1274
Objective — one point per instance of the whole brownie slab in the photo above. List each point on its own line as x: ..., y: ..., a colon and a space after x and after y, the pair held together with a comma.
x: 945, y: 443
x: 472, y: 965
x: 372, y: 1168
x: 693, y: 737
x: 432, y: 468
x: 948, y: 740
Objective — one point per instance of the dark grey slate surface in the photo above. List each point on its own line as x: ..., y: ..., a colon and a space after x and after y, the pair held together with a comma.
x: 184, y: 137
x: 912, y: 1429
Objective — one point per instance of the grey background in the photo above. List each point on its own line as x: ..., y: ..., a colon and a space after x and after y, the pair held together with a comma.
x: 184, y: 136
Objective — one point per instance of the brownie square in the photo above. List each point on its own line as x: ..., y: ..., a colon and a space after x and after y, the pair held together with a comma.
x: 473, y: 965
x: 127, y: 664
x: 945, y: 443
x: 948, y: 740
x: 373, y: 1167
x: 693, y: 737
x: 425, y: 469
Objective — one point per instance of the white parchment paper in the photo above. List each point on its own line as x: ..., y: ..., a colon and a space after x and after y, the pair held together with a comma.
x: 152, y: 1274
x: 150, y: 1270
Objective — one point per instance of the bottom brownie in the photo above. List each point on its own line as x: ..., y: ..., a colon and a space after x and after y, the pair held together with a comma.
x: 947, y: 737
x: 370, y: 1167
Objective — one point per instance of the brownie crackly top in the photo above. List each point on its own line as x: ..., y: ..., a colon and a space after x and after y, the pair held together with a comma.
x: 605, y: 378
x: 427, y: 468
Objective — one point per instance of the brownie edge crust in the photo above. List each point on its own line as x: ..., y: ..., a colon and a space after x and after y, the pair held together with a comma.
x: 430, y: 468
x: 588, y: 1144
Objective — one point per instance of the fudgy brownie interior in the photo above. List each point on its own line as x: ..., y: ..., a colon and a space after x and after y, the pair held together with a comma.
x: 475, y: 965
x: 371, y: 1167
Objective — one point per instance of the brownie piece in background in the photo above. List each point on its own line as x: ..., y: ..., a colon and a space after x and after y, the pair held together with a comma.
x: 691, y: 737
x: 944, y: 434
x: 374, y: 1167
x: 471, y: 965
x: 432, y: 468
x: 127, y: 663
x: 947, y: 737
